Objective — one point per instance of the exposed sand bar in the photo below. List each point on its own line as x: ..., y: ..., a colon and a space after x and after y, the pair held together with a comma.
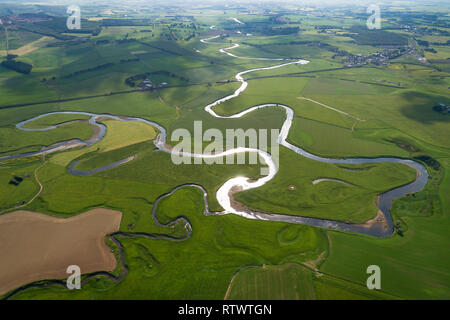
x: 35, y: 247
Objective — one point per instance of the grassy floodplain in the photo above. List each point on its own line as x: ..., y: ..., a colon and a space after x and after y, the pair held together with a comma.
x: 217, y: 248
x: 13, y: 140
x: 355, y: 110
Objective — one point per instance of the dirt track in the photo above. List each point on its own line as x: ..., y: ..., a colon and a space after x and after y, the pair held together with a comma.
x: 35, y: 246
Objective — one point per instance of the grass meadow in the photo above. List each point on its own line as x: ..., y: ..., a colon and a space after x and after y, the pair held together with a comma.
x: 266, y: 260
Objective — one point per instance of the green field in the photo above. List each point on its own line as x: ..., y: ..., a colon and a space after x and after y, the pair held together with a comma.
x: 218, y: 246
x: 14, y: 141
x: 295, y: 282
x: 355, y: 203
x: 342, y: 108
x: 54, y: 119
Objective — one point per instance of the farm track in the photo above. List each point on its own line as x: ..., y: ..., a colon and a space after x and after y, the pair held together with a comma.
x: 332, y: 108
x: 41, y: 187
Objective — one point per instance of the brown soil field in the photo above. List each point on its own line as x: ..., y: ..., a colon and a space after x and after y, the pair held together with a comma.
x: 34, y: 246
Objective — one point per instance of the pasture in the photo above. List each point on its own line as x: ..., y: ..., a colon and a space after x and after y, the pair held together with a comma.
x: 389, y: 113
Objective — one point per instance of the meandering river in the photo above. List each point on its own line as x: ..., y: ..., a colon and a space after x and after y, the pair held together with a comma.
x: 382, y: 228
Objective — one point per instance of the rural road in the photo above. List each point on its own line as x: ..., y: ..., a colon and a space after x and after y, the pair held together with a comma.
x: 41, y: 187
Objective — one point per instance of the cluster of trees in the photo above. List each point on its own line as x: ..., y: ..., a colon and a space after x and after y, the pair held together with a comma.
x: 425, y: 43
x: 103, y: 41
x: 118, y: 41
x: 95, y: 32
x: 18, y: 66
x: 160, y: 48
x: 441, y: 108
x: 433, y: 163
x: 16, y: 180
x: 131, y: 81
x: 11, y: 56
x: 129, y: 60
x: 440, y: 32
x: 399, y: 229
x: 99, y: 67
x: 96, y: 68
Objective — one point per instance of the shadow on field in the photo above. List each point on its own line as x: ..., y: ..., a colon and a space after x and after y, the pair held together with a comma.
x: 419, y: 107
